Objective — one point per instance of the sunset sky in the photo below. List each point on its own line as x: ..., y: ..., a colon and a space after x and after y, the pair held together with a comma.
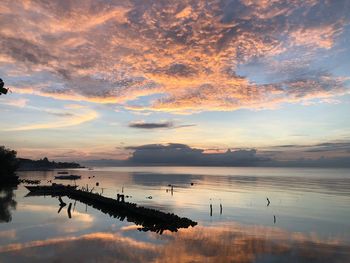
x: 92, y: 79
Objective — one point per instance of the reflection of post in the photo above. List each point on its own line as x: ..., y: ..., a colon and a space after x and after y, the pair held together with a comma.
x: 211, y: 210
x: 59, y: 210
x: 220, y: 209
x: 61, y: 201
x: 69, y: 210
x: 62, y: 204
x: 172, y: 190
x: 274, y: 219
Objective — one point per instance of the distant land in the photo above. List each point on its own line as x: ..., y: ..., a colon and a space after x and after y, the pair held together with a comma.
x: 175, y: 154
x: 44, y: 165
x: 302, y: 163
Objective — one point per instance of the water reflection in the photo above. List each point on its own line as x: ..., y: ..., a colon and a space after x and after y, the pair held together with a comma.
x: 7, y: 202
x: 155, y: 179
x: 306, y: 219
x: 224, y: 243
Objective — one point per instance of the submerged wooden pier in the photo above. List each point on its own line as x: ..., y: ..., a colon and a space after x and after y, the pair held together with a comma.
x: 148, y: 219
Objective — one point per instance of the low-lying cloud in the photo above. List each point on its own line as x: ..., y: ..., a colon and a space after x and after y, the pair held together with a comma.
x: 334, y: 155
x: 181, y: 154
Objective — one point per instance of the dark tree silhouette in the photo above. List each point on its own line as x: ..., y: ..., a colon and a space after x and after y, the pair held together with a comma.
x: 8, y: 165
x: 8, y: 182
x: 2, y: 89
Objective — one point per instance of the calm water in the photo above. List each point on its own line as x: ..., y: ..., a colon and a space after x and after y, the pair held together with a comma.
x: 308, y: 219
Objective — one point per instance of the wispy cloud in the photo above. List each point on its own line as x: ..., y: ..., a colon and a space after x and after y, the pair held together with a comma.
x: 20, y: 103
x: 64, y: 120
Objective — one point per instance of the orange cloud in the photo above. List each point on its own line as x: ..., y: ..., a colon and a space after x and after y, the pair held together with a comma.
x: 185, y: 53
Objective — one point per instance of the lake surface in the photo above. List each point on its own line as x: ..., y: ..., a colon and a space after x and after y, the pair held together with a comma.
x: 307, y: 220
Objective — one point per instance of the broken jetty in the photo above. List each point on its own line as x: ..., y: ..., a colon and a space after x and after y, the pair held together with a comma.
x: 148, y: 219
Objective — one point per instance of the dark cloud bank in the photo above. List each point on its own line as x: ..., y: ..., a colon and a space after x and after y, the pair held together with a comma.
x: 157, y: 125
x: 151, y: 125
x: 183, y: 155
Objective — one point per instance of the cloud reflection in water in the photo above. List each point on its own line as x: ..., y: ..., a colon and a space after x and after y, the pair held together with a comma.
x: 229, y: 243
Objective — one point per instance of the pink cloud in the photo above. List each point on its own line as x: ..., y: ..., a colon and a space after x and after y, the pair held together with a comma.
x: 187, y: 53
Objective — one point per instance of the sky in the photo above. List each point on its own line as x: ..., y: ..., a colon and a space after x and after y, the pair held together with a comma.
x: 96, y: 79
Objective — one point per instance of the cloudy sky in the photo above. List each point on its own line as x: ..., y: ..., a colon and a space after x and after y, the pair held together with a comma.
x: 92, y: 79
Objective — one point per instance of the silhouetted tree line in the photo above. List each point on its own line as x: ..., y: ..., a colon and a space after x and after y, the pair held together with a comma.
x: 45, y: 164
x: 9, y: 163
